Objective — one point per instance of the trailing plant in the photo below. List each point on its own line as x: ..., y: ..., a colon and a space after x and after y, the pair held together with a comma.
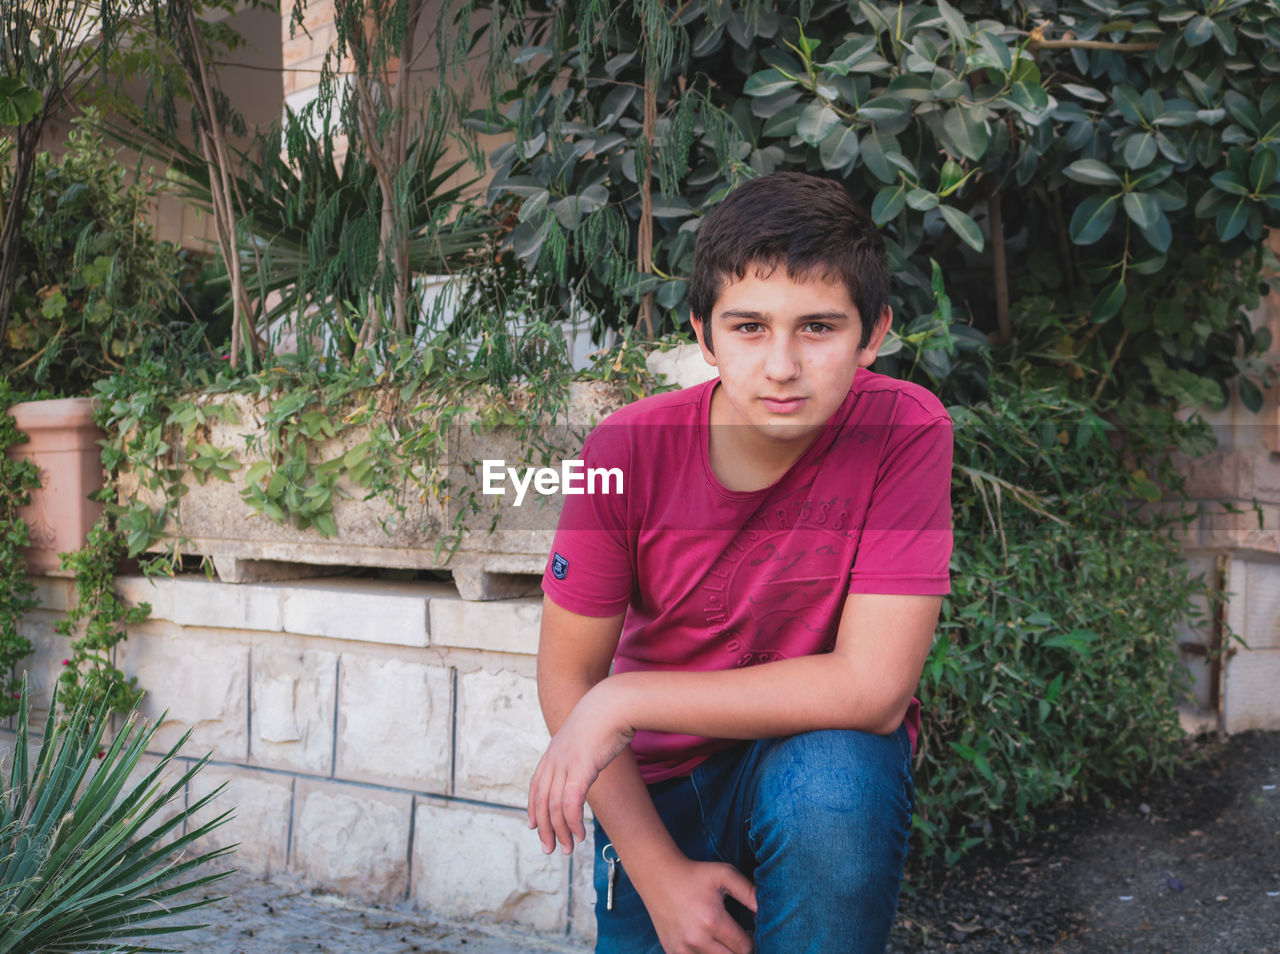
x: 492, y: 370
x: 1081, y: 152
x: 88, y: 860
x: 17, y: 594
x: 98, y: 622
x: 1055, y: 675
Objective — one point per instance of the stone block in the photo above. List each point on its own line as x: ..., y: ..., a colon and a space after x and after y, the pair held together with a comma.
x: 1262, y: 605
x: 505, y: 626
x: 45, y: 664
x: 582, y: 909
x: 195, y: 683
x: 1250, y: 700
x: 352, y: 839
x: 684, y: 366
x: 372, y: 611
x: 1226, y: 473
x: 395, y: 723
x: 262, y: 803
x: 158, y: 594
x: 199, y: 601
x: 291, y: 705
x: 53, y: 593
x: 471, y: 862
x: 500, y: 736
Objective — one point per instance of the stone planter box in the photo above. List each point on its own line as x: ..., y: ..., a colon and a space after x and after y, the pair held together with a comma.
x: 412, y: 532
x: 63, y: 445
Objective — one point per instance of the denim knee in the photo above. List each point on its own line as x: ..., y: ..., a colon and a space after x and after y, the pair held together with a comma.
x: 830, y: 819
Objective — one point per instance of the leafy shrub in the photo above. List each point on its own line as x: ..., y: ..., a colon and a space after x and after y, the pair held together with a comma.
x: 1055, y: 674
x: 1083, y: 152
x: 92, y: 285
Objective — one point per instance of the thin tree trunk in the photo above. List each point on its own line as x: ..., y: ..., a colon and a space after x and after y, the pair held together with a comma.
x: 1000, y: 269
x: 222, y: 190
x: 11, y: 234
x: 644, y: 237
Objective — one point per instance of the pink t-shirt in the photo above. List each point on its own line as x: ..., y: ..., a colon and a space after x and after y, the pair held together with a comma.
x: 712, y: 578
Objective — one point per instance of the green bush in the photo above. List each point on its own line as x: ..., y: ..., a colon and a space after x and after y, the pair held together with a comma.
x: 1084, y: 153
x: 1055, y: 674
x: 93, y: 289
x: 17, y: 593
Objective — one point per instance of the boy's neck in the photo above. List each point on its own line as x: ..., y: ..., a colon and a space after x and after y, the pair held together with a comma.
x: 742, y: 459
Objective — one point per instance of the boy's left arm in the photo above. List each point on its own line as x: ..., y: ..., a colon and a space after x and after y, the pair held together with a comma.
x: 865, y: 683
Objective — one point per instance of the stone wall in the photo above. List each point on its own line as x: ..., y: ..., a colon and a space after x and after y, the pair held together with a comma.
x: 375, y: 738
x: 1236, y: 543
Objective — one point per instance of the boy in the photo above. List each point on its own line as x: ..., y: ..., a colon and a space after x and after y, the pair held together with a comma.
x: 729, y: 647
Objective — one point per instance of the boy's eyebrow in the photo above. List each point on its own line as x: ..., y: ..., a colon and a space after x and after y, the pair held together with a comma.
x: 748, y: 313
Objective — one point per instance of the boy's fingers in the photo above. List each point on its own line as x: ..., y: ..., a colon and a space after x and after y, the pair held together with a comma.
x: 739, y: 887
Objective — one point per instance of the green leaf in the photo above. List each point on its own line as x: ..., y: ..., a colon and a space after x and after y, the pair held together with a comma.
x: 1092, y: 218
x: 1141, y: 209
x: 1198, y: 30
x: 1227, y: 182
x: 1139, y: 150
x: 1262, y: 169
x: 967, y: 129
x: 767, y: 82
x: 1232, y: 218
x: 884, y: 109
x: 839, y: 148
x: 887, y: 204
x: 1160, y: 235
x: 816, y: 122
x: 19, y: 103
x: 963, y: 226
x: 873, y: 154
x: 1108, y: 302
x: 1030, y: 98
x: 1091, y: 172
x: 922, y: 200
x: 956, y: 25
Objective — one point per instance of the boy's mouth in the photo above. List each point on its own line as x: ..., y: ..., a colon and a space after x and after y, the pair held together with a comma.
x: 784, y: 405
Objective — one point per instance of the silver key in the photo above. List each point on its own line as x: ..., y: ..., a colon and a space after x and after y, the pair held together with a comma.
x: 612, y: 875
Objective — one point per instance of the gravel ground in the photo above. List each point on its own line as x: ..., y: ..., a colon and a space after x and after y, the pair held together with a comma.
x: 1188, y: 866
x: 277, y: 917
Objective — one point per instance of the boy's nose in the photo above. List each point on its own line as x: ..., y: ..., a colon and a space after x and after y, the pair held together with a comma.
x: 781, y: 363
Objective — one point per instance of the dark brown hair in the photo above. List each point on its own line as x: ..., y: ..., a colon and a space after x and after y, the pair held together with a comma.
x: 810, y: 226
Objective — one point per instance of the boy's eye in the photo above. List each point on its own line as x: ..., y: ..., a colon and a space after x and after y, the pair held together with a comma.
x: 748, y: 327
x: 817, y: 327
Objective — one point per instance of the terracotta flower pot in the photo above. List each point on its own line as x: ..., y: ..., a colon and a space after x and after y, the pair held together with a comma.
x: 63, y: 445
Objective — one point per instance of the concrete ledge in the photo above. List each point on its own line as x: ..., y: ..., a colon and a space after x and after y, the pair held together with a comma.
x: 506, y: 626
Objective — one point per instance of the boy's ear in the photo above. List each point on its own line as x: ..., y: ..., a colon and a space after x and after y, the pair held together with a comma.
x: 867, y: 356
x: 704, y: 342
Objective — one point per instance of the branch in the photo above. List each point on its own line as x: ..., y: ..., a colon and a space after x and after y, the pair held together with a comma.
x: 1037, y: 41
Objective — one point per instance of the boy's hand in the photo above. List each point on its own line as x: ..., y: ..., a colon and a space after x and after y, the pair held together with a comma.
x: 589, y: 740
x: 687, y: 908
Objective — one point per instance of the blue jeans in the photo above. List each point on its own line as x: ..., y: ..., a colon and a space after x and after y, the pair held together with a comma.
x: 819, y: 821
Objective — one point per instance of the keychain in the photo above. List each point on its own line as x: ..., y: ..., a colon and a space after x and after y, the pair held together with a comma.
x: 612, y: 875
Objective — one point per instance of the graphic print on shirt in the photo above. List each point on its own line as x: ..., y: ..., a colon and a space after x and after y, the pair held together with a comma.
x: 780, y: 581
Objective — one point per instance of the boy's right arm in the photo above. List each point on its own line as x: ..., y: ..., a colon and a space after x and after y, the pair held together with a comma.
x: 685, y: 899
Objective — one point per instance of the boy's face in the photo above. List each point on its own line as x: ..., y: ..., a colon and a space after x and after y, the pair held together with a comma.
x: 787, y: 351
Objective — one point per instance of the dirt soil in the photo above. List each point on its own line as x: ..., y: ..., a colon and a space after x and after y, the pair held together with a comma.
x: 1187, y: 866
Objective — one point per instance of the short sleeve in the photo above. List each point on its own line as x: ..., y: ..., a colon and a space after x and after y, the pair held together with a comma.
x: 905, y: 544
x: 589, y: 570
